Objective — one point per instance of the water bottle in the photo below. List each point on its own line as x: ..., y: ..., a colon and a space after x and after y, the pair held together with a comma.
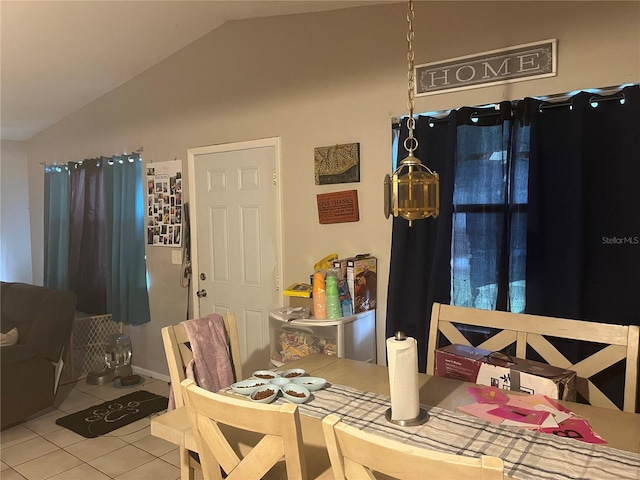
x: 117, y: 350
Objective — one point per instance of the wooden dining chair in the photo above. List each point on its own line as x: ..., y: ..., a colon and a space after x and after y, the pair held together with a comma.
x: 279, y: 426
x: 356, y: 455
x: 179, y: 354
x: 619, y: 342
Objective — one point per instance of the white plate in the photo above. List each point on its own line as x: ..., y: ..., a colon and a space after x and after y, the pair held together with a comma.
x: 280, y: 381
x: 310, y: 383
x: 247, y: 387
x: 295, y: 388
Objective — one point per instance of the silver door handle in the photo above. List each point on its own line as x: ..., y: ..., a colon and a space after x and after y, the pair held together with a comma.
x: 201, y: 293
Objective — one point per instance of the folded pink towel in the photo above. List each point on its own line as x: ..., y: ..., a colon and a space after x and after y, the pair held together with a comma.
x: 211, y: 366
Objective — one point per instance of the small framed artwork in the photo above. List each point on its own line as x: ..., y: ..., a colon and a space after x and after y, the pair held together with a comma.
x: 337, y: 164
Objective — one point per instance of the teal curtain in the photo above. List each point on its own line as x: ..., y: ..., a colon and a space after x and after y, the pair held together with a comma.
x: 95, y: 236
x: 127, y: 295
x: 56, y: 218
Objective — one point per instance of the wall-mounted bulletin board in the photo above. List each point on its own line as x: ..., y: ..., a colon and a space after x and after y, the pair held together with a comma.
x: 164, y: 204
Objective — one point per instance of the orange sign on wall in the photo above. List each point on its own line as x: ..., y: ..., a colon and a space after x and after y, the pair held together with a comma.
x: 338, y: 207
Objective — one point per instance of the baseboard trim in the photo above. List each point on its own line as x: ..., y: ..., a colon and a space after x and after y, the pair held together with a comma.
x: 150, y: 373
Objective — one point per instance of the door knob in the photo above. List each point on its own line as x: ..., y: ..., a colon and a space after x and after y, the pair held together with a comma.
x: 201, y: 293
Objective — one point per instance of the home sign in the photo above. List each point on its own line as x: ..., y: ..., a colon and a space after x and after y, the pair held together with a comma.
x: 514, y: 64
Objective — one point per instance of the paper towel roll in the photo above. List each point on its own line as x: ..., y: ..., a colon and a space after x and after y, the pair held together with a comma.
x: 402, y: 358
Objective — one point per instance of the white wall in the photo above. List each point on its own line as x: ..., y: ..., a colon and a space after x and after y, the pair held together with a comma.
x: 316, y: 80
x: 15, y: 233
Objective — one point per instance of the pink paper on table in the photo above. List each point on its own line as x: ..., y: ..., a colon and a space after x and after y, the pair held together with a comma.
x: 521, y: 415
x: 488, y: 395
x: 531, y: 401
x: 480, y: 410
x: 577, y: 429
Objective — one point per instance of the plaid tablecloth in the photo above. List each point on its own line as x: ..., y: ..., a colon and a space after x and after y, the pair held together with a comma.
x: 527, y: 455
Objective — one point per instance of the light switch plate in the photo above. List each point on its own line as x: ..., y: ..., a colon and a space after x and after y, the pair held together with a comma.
x: 176, y: 257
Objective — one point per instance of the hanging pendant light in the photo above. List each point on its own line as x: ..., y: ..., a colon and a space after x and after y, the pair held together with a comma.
x: 413, y: 191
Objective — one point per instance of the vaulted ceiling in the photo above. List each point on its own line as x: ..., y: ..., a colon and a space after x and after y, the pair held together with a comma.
x: 57, y: 56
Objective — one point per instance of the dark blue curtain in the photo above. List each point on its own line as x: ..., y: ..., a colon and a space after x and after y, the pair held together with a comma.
x: 584, y: 222
x: 86, y: 236
x: 418, y: 276
x: 540, y: 213
x: 583, y: 258
x: 472, y: 254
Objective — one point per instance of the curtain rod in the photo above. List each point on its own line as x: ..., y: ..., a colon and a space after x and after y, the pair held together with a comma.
x: 139, y: 150
x: 594, y: 99
x: 558, y: 100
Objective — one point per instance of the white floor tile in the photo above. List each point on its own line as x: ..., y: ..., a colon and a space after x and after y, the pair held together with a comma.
x: 121, y: 461
x: 15, y: 435
x: 154, y: 445
x: 132, y: 427
x: 82, y: 386
x: 153, y: 470
x: 39, y: 448
x: 158, y: 387
x: 25, y: 451
x: 11, y: 474
x: 64, y: 437
x: 76, y: 401
x: 45, y: 423
x: 173, y: 457
x: 48, y: 465
x: 91, y: 448
x: 83, y: 471
x: 132, y: 436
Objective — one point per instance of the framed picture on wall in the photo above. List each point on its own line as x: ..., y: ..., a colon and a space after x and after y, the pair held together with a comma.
x: 337, y: 164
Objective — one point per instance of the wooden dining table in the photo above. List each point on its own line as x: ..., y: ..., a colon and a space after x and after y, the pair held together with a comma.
x: 620, y: 429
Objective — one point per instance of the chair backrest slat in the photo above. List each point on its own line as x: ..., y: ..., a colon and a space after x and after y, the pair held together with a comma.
x: 620, y: 342
x: 355, y: 455
x: 278, y: 424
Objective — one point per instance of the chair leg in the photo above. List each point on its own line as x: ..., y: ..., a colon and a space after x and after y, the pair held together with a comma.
x: 186, y: 472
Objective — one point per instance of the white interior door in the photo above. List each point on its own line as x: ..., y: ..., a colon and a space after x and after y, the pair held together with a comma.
x: 235, y: 229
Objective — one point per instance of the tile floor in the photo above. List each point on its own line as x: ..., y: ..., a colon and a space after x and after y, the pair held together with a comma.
x: 40, y: 449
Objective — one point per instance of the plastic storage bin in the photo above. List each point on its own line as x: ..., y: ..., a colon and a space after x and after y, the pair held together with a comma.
x: 348, y: 337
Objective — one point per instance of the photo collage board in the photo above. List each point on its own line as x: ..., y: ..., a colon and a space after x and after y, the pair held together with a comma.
x: 164, y: 204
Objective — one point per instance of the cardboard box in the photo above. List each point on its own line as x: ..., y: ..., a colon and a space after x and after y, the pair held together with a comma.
x: 301, y: 302
x: 484, y: 367
x: 362, y: 277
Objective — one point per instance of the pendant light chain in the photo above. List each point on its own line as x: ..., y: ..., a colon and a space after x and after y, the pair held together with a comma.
x: 413, y: 190
x: 410, y: 143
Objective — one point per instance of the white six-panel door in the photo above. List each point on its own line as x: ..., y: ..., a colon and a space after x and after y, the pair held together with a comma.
x: 235, y: 223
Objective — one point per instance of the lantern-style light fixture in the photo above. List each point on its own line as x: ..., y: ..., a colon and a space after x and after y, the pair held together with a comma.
x: 413, y: 191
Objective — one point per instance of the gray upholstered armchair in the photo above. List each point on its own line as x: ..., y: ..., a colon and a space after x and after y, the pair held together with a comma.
x: 30, y: 369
